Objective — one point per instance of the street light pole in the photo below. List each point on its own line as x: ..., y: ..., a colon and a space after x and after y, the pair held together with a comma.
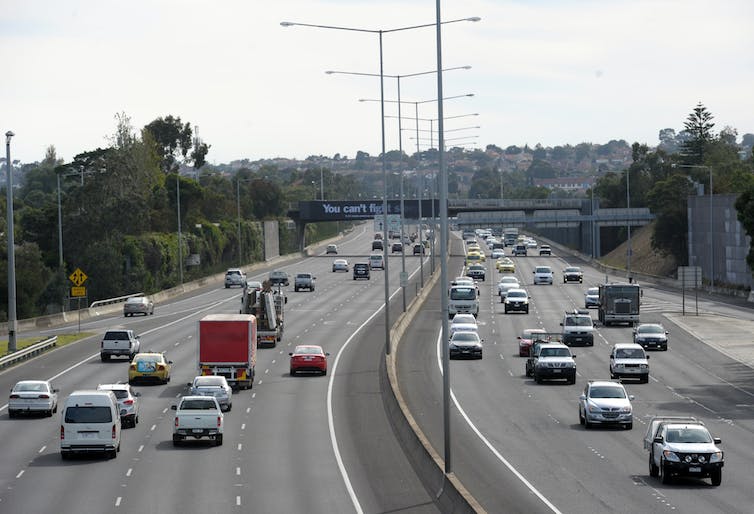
x: 321, y: 184
x: 11, y: 249
x: 238, y: 216
x: 178, y: 206
x: 628, y: 224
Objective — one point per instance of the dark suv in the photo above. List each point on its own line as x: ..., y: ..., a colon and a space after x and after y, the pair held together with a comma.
x: 377, y: 245
x: 361, y: 270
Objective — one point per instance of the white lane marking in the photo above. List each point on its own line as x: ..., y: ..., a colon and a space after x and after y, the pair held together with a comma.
x: 266, y: 371
x: 248, y: 409
x: 20, y: 473
x: 253, y: 395
x: 176, y: 344
x: 486, y: 442
x: 128, y: 473
x: 238, y: 471
x: 330, y: 422
x: 273, y: 360
x: 87, y: 359
x: 243, y: 426
x: 153, y: 427
x: 240, y: 446
x: 117, y: 501
x: 42, y: 449
x: 238, y: 501
x: 140, y: 448
x: 164, y: 410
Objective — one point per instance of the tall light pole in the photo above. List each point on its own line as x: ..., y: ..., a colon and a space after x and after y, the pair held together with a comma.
x: 11, y: 249
x: 594, y: 242
x: 321, y: 184
x: 178, y: 208
x: 380, y: 32
x: 628, y: 225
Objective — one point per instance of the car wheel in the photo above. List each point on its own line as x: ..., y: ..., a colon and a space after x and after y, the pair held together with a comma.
x: 664, y: 475
x: 112, y: 454
x: 293, y: 373
x: 219, y: 440
x: 665, y: 348
x: 716, y: 476
x: 176, y: 440
x: 11, y: 413
x: 65, y: 455
x: 537, y: 379
x: 55, y: 409
x: 295, y: 289
x: 104, y: 358
x: 645, y: 379
x: 653, y: 469
x: 527, y: 310
x: 324, y: 372
x: 48, y: 413
x: 136, y: 420
x: 581, y: 418
x: 587, y: 423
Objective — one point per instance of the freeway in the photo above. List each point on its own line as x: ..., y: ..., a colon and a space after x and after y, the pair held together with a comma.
x: 291, y: 444
x: 519, y: 447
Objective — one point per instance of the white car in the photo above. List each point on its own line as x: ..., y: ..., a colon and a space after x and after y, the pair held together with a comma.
x: 340, y: 265
x: 29, y: 396
x: 215, y: 386
x: 506, y: 283
x: 543, y: 275
x: 128, y: 403
x: 497, y: 253
x: 605, y: 403
x: 628, y: 360
x: 463, y: 323
x: 592, y: 297
x: 376, y: 261
x: 463, y: 318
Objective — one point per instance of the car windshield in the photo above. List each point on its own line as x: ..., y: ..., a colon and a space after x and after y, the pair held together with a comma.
x: 572, y: 270
x: 607, y: 392
x: 593, y: 291
x: 308, y: 350
x: 136, y: 300
x: 197, y: 404
x: 464, y: 318
x: 555, y: 352
x: 30, y: 386
x: 516, y: 294
x: 209, y: 381
x: 465, y: 337
x: 629, y: 353
x: 650, y: 329
x: 543, y: 270
x: 462, y: 293
x: 529, y: 332
x: 509, y: 280
x: 120, y: 394
x: 88, y: 414
x: 579, y: 321
x: 688, y: 435
x: 117, y: 336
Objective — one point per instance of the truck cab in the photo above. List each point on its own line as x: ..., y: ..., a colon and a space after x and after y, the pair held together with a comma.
x: 463, y: 299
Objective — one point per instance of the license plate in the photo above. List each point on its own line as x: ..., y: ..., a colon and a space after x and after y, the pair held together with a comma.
x: 87, y: 435
x: 197, y: 430
x: 695, y: 469
x: 308, y: 358
x: 557, y: 370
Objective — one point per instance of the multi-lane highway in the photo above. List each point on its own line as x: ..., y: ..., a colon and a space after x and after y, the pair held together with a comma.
x: 292, y: 444
x: 324, y: 444
x: 519, y: 447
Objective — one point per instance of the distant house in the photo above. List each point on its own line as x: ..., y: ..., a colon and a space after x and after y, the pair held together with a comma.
x: 574, y: 184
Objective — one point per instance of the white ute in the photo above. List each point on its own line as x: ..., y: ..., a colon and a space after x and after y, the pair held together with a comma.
x: 198, y: 417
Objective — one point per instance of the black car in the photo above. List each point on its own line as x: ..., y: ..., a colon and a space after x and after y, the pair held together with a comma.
x: 279, y: 277
x: 419, y: 249
x: 377, y: 245
x: 476, y: 271
x: 361, y: 270
x: 396, y: 247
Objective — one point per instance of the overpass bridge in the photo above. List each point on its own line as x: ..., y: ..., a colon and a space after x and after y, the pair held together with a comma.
x: 573, y: 222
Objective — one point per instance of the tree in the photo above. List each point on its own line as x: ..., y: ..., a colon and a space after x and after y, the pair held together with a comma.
x: 540, y: 169
x: 172, y: 138
x: 745, y: 213
x: 699, y: 127
x: 668, y: 201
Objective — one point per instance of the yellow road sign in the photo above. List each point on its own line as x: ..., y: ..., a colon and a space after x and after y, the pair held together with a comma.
x: 78, y: 291
x: 78, y: 277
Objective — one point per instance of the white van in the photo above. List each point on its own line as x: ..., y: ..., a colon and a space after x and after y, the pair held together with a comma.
x: 376, y: 261
x: 463, y: 299
x: 90, y: 422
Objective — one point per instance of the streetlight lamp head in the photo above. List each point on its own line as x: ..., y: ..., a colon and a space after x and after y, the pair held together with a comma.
x: 474, y: 18
x: 9, y: 134
x: 286, y: 24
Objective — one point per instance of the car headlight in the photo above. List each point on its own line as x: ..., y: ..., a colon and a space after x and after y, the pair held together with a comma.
x: 644, y: 366
x: 625, y: 410
x: 453, y: 346
x: 716, y: 457
x: 671, y: 456
x: 593, y: 408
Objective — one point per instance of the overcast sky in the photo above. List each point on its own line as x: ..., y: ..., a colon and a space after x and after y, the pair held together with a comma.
x: 542, y: 71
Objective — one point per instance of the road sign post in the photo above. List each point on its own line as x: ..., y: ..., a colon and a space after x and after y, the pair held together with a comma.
x: 690, y: 276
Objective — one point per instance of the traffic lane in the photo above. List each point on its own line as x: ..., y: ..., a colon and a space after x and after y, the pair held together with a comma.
x: 476, y: 389
x: 421, y: 385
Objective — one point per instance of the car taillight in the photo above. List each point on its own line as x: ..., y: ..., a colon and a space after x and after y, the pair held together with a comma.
x: 62, y: 432
x: 101, y: 344
x: 14, y: 396
x: 113, y: 432
x: 176, y: 422
x: 219, y: 420
x: 133, y: 367
x: 128, y: 402
x: 160, y: 367
x: 43, y: 396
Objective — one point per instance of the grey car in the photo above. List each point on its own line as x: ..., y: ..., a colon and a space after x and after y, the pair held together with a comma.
x: 605, y: 403
x: 213, y: 385
x: 235, y: 277
x: 138, y: 305
x: 29, y: 396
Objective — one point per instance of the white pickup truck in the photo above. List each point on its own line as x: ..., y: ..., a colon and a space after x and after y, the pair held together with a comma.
x: 198, y: 417
x: 682, y: 446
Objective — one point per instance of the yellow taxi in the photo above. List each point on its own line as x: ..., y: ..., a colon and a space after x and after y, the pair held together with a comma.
x: 473, y: 246
x: 473, y: 258
x: 505, y: 265
x: 149, y: 367
x: 481, y: 255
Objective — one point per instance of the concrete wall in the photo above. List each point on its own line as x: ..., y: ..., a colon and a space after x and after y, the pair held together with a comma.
x: 271, y: 240
x: 724, y: 243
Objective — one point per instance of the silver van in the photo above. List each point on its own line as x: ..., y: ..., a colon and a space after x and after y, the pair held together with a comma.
x: 90, y: 422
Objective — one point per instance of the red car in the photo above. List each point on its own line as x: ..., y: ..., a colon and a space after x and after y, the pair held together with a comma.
x: 525, y: 340
x: 307, y: 357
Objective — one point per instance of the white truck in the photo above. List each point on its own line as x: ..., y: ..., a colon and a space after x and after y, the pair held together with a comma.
x: 463, y: 299
x: 198, y: 417
x: 119, y: 343
x: 682, y: 446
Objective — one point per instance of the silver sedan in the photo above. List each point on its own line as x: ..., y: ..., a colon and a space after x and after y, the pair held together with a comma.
x: 29, y: 396
x: 213, y: 385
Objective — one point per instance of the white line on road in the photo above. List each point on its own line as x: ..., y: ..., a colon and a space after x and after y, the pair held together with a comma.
x: 42, y: 449
x: 153, y: 427
x: 238, y: 501
x: 248, y: 409
x: 141, y: 448
x: 487, y: 443
x: 128, y: 473
x: 238, y: 471
x: 240, y: 445
x: 164, y: 410
x: 117, y: 501
x: 243, y: 426
x: 20, y: 473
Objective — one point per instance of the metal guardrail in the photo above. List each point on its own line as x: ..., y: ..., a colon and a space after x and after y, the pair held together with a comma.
x: 118, y: 299
x: 28, y: 352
